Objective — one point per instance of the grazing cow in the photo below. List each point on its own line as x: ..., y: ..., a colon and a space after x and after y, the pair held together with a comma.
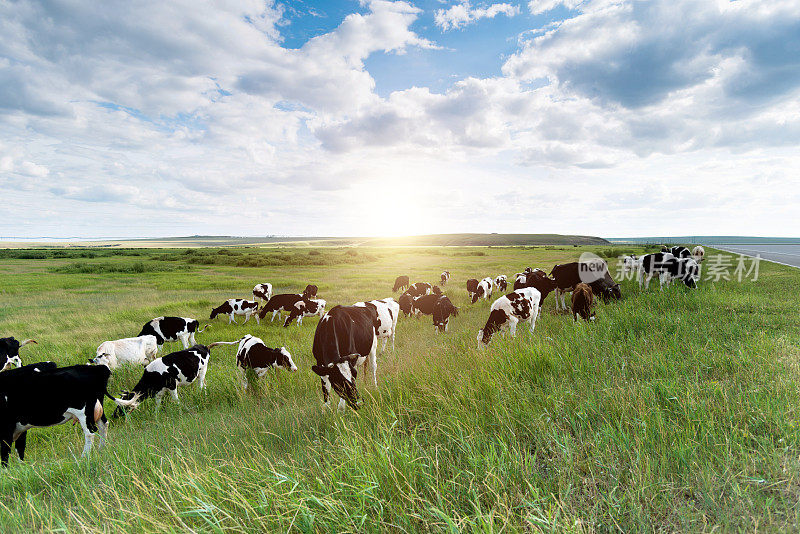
x: 254, y: 354
x: 684, y: 269
x: 472, y: 288
x: 655, y: 264
x: 401, y: 283
x: 419, y: 289
x: 130, y: 350
x: 424, y: 304
x: 310, y: 291
x: 12, y: 377
x: 172, y: 329
x: 484, y: 290
x: 445, y: 277
x: 165, y: 374
x: 539, y: 280
x: 436, y: 290
x: 582, y: 300
x: 508, y: 310
x: 594, y: 272
x: 698, y: 253
x: 9, y: 352
x: 631, y: 264
x: 406, y: 304
x: 232, y: 307
x: 680, y: 252
x: 501, y: 282
x: 46, y: 396
x: 443, y: 309
x: 345, y: 338
x: 279, y: 303
x: 305, y: 308
x: 263, y: 292
x: 387, y: 311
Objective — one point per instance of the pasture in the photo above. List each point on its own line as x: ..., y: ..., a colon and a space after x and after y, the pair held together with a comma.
x: 672, y: 412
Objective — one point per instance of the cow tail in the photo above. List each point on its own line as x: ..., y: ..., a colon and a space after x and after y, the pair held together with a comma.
x: 201, y: 330
x: 134, y: 402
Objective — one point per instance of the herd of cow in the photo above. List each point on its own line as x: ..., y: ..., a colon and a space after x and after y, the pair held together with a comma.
x: 43, y: 394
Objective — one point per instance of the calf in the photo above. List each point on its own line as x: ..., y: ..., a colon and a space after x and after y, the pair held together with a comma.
x: 698, y: 253
x: 345, y: 338
x: 400, y: 283
x: 310, y: 291
x: 47, y: 396
x: 582, y: 300
x: 387, y: 311
x: 165, y: 374
x: 305, y: 308
x: 445, y: 277
x: 443, y: 309
x: 419, y: 289
x: 131, y: 350
x: 472, y: 288
x: 406, y: 304
x: 483, y: 291
x: 263, y: 292
x: 501, y: 282
x: 594, y: 273
x: 172, y: 329
x: 13, y: 376
x: 508, y: 310
x: 279, y: 303
x: 9, y: 352
x: 254, y: 354
x: 233, y: 307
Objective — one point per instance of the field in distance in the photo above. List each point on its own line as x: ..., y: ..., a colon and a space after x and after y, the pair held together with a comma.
x: 232, y: 241
x: 674, y: 411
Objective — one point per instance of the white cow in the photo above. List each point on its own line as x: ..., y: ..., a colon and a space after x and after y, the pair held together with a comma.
x: 127, y: 351
x: 388, y: 311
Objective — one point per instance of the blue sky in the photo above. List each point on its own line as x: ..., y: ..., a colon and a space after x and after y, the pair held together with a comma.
x: 605, y: 117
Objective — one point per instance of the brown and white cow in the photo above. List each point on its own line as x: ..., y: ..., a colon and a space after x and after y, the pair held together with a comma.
x: 508, y: 310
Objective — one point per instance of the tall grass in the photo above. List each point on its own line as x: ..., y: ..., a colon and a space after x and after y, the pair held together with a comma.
x: 672, y: 412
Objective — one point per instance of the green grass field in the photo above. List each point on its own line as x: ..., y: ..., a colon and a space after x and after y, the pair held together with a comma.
x: 673, y: 412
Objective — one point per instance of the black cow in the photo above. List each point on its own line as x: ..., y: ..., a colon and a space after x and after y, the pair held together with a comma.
x: 419, y: 289
x: 168, y: 372
x: 53, y: 396
x: 443, y: 309
x: 310, y: 291
x: 594, y: 273
x: 401, y: 283
x: 537, y: 279
x: 13, y: 376
x: 9, y: 352
x: 173, y: 329
x: 472, y: 288
x: 345, y: 338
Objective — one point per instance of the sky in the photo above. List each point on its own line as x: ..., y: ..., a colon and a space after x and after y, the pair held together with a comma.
x: 360, y: 118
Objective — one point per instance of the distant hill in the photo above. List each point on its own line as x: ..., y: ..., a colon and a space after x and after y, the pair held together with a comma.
x: 709, y: 240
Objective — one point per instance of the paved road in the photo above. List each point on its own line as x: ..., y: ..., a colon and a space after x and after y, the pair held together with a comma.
x: 785, y: 254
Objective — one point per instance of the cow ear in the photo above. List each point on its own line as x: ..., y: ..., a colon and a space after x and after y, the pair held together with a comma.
x: 321, y: 370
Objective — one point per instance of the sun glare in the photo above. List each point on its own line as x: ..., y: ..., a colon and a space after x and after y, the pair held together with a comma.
x: 392, y: 210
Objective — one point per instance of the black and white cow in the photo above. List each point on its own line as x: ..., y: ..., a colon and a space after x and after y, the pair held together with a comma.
x: 445, y: 277
x: 283, y: 302
x: 345, y: 338
x: 310, y: 291
x: 263, y: 292
x: 536, y: 279
x: 501, y: 282
x: 401, y: 283
x: 472, y: 289
x: 254, y: 354
x: 419, y: 289
x: 165, y: 374
x: 305, y: 308
x: 508, y: 310
x: 443, y: 309
x: 9, y: 352
x: 680, y: 252
x: 406, y: 304
x: 656, y: 264
x: 484, y: 289
x: 173, y: 329
x: 127, y: 351
x: 46, y: 396
x: 233, y: 307
x: 684, y: 269
x: 387, y: 311
x: 594, y: 273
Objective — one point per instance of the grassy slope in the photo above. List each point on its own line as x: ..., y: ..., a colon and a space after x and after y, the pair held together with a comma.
x: 674, y: 411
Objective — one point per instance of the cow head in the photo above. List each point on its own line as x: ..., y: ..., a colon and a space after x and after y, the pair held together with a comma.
x: 102, y: 359
x: 496, y: 319
x: 436, y: 290
x: 284, y: 360
x: 9, y: 352
x: 342, y: 378
x: 321, y: 303
x: 214, y: 313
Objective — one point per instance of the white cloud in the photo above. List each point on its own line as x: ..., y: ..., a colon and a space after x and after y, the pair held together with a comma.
x: 537, y: 7
x: 463, y: 14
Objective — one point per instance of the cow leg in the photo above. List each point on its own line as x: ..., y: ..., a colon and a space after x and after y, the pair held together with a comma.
x: 241, y: 376
x: 274, y: 313
x: 5, y: 444
x: 300, y: 321
x: 393, y: 330
x: 534, y: 316
x: 191, y: 339
x: 20, y: 445
x: 447, y: 325
x: 258, y: 319
x: 86, y: 420
x: 385, y: 341
x: 326, y: 392
x: 512, y: 325
x: 201, y: 377
x: 231, y: 319
x: 174, y: 392
x: 159, y: 396
x: 185, y: 340
x: 342, y: 407
x: 246, y: 318
x: 373, y: 362
x: 558, y: 292
x: 102, y: 425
